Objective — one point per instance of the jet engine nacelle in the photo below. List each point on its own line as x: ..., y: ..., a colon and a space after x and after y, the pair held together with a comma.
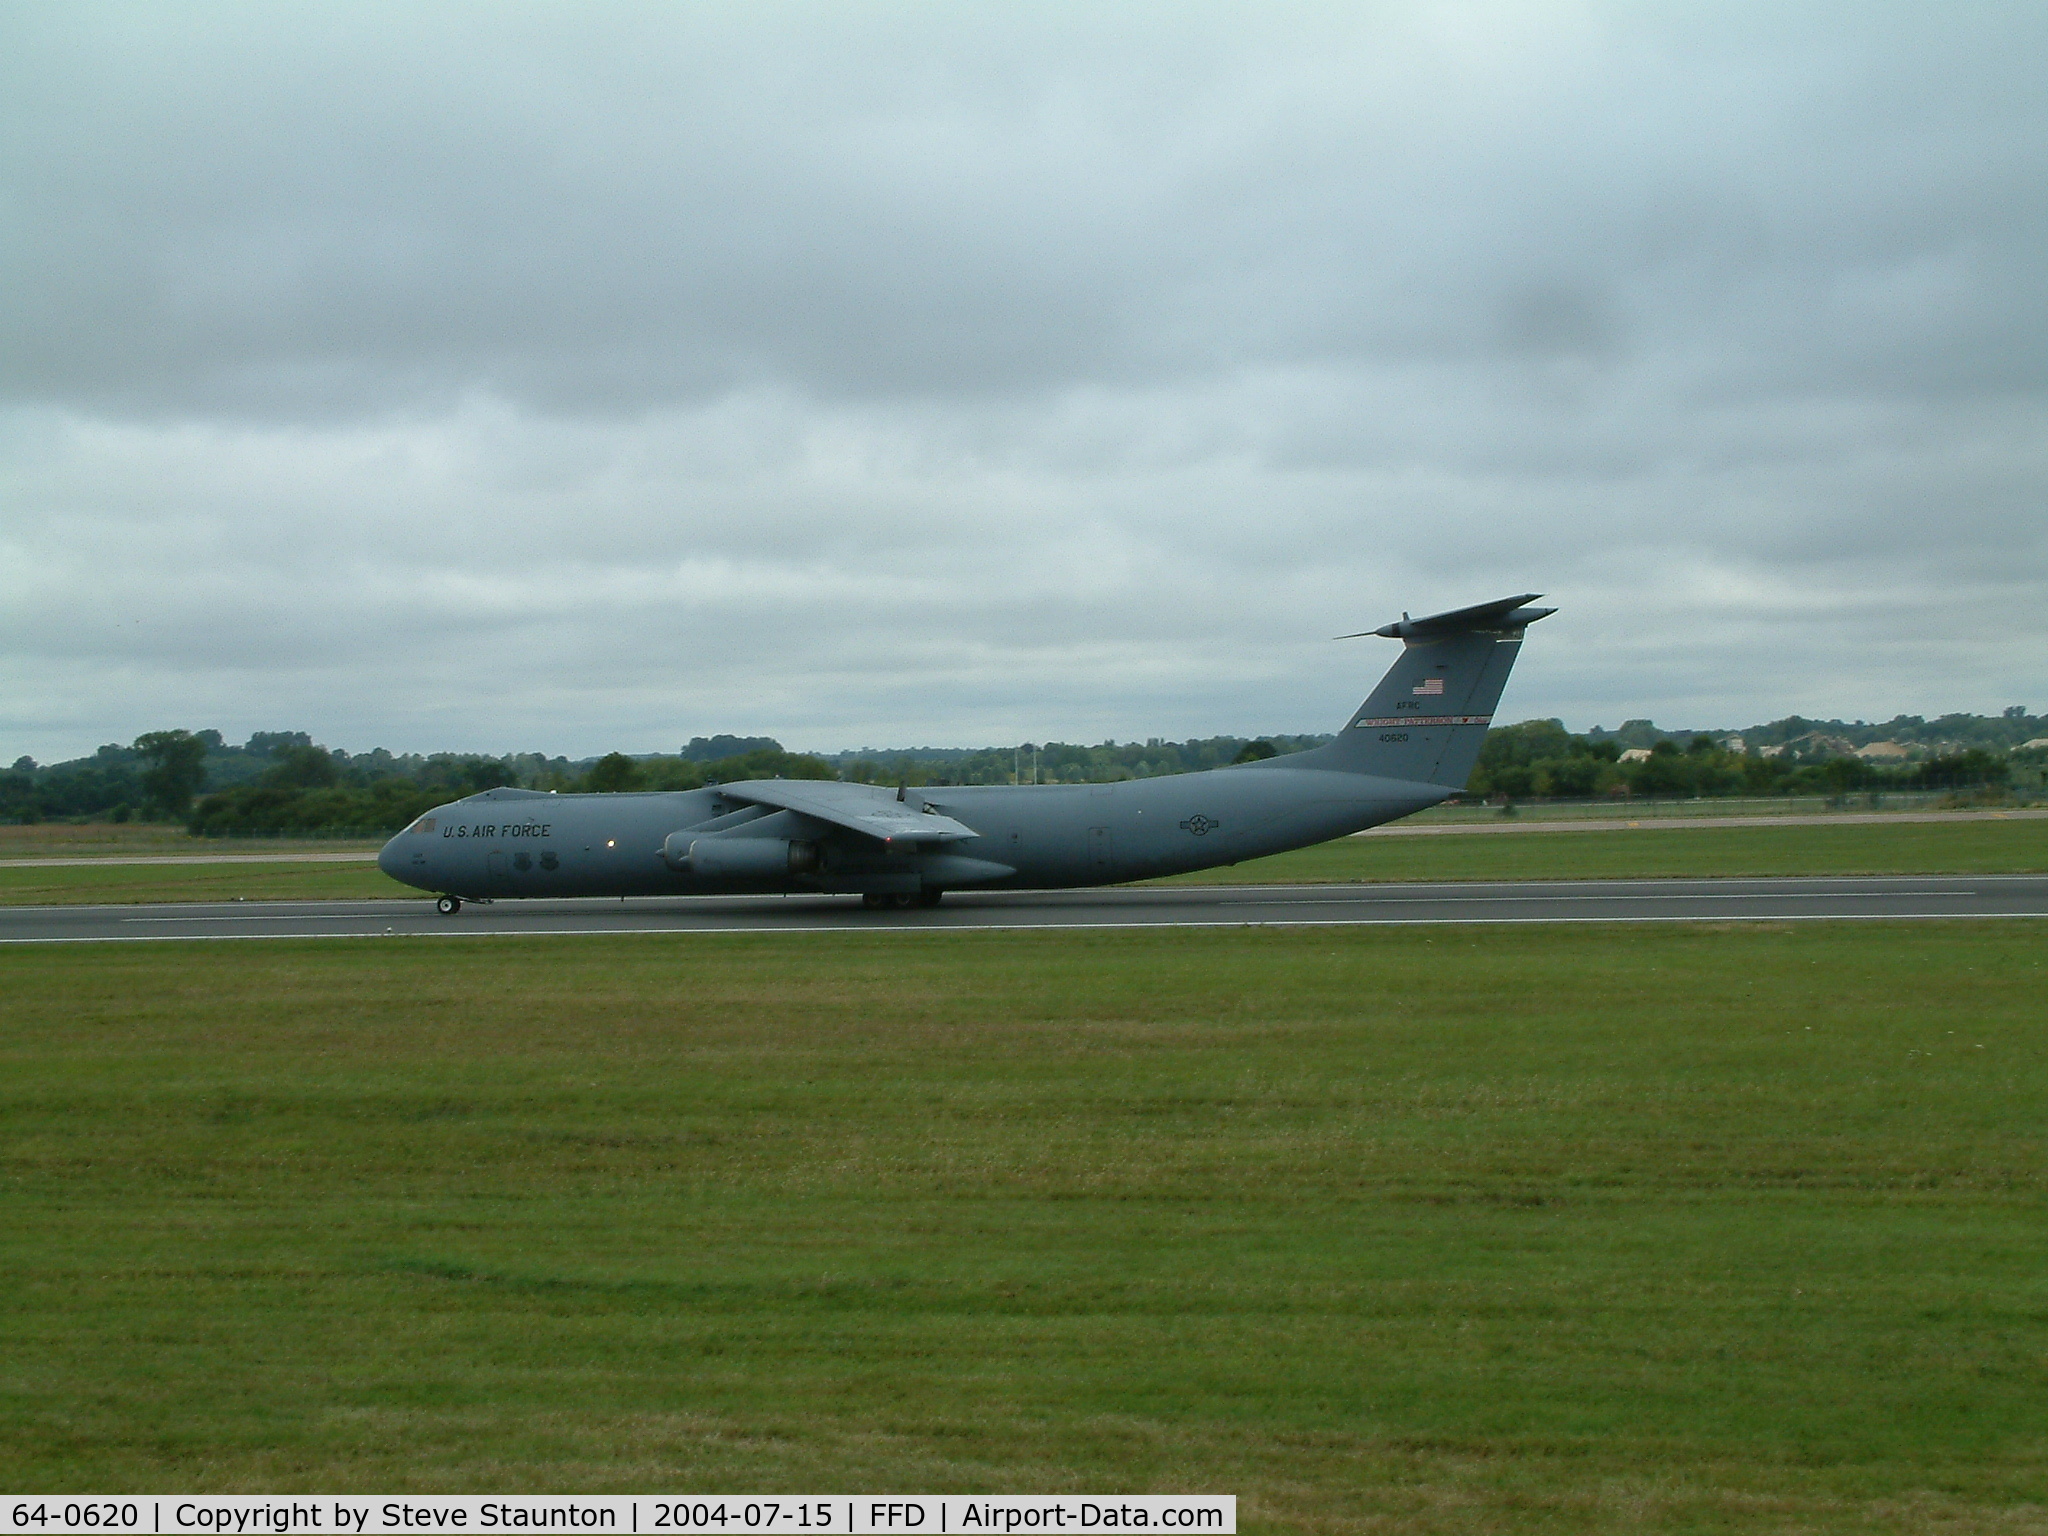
x: 740, y: 857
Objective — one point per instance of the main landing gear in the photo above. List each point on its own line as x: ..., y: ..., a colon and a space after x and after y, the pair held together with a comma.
x: 448, y: 906
x: 876, y: 901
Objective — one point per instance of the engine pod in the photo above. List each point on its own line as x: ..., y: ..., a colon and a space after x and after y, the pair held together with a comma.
x: 743, y: 857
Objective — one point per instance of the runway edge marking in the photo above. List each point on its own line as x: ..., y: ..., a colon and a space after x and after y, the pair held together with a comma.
x: 961, y: 928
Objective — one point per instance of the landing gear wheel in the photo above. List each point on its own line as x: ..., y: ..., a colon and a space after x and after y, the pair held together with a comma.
x: 874, y: 901
x: 448, y: 906
x: 929, y: 897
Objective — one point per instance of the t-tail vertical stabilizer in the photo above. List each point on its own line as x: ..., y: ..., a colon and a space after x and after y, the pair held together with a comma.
x: 1425, y: 721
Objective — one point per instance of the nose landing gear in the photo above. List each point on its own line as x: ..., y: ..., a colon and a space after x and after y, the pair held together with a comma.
x: 448, y: 906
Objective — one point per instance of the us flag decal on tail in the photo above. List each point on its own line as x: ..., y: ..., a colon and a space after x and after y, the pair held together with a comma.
x: 1429, y: 685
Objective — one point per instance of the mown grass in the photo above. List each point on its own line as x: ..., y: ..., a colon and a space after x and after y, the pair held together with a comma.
x: 96, y: 883
x: 109, y: 839
x: 1656, y: 1229
x: 1864, y: 847
x: 1974, y: 847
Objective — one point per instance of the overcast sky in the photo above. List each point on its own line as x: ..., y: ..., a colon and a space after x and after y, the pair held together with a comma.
x: 586, y: 377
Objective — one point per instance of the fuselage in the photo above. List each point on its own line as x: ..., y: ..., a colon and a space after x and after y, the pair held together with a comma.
x: 1411, y: 744
x: 514, y: 843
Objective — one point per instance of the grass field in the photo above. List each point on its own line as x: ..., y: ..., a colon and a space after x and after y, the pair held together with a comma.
x: 104, y: 839
x: 117, y: 883
x: 1851, y: 848
x: 113, y: 881
x: 1681, y: 1229
x: 1859, y: 847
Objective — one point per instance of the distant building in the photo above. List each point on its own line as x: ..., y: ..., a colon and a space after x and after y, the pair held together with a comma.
x: 1815, y: 743
x: 1635, y: 755
x: 1883, y: 752
x: 1731, y: 744
x: 2032, y: 746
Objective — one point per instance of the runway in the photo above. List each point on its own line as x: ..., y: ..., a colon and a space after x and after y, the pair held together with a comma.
x: 1905, y: 897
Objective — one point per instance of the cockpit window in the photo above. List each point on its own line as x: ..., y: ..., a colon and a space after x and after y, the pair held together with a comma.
x: 424, y: 824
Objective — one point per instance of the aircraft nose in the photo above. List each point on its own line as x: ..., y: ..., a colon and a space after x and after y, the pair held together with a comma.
x: 390, y: 861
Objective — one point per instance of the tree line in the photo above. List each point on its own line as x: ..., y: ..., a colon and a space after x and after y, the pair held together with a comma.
x: 1541, y: 759
x: 283, y: 782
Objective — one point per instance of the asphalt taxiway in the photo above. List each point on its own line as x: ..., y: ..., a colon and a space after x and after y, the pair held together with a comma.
x: 1189, y: 906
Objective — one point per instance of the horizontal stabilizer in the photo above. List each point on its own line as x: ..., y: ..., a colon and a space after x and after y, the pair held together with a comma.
x: 856, y: 807
x: 1424, y: 722
x: 1507, y: 613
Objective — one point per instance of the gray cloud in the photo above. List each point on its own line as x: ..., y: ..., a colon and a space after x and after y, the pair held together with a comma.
x: 566, y: 378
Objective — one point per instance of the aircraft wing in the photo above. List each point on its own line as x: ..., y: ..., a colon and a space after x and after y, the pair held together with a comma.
x: 853, y: 806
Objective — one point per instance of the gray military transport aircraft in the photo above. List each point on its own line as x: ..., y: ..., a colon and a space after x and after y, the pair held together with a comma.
x: 1410, y: 745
